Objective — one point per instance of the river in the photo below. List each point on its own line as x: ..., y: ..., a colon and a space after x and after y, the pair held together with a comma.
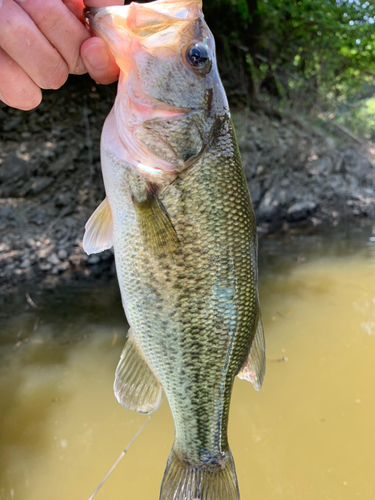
x: 307, y: 435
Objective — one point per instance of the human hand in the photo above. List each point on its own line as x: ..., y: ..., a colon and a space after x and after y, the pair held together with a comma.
x: 94, y: 52
x: 39, y: 46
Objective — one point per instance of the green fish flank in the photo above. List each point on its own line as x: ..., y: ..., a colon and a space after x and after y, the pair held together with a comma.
x: 185, y: 240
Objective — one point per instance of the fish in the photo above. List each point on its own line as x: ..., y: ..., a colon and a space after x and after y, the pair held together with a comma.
x: 179, y: 216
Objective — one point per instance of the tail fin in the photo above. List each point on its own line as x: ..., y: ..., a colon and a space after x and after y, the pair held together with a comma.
x: 181, y: 482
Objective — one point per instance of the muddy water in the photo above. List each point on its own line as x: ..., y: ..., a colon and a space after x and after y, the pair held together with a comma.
x: 308, y: 434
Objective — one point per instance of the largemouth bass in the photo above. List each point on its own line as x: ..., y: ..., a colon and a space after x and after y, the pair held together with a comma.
x: 179, y: 216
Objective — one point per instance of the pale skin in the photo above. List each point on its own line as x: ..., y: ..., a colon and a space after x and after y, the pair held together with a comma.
x: 42, y: 42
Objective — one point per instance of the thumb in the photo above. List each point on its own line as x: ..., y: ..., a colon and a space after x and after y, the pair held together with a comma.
x: 96, y: 57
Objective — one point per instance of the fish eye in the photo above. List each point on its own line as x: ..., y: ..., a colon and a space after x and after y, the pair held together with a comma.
x: 198, y: 57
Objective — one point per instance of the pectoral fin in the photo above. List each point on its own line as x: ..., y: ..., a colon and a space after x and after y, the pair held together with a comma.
x: 255, y: 364
x: 156, y: 227
x: 99, y: 230
x: 136, y: 387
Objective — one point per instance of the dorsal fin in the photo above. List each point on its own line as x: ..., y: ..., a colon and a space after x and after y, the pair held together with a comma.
x: 99, y: 230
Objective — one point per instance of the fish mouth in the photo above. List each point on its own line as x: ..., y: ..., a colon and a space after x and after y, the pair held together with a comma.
x: 89, y: 15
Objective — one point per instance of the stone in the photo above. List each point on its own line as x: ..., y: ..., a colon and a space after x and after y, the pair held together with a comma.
x: 63, y: 199
x: 53, y: 259
x: 62, y: 254
x: 6, y: 212
x: 271, y: 202
x: 356, y: 164
x: 31, y: 242
x: 301, y: 209
x: 25, y: 264
x: 40, y: 184
x: 255, y: 192
x: 93, y: 259
x: 12, y: 124
x: 39, y: 217
x: 322, y: 166
x: 63, y: 266
x: 13, y: 169
x: 45, y: 266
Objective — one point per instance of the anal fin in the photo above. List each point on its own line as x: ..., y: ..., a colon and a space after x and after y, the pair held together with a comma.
x: 135, y: 386
x: 255, y: 365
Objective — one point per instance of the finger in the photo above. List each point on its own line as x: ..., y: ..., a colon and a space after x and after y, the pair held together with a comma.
x: 25, y: 44
x: 61, y: 28
x: 76, y: 7
x: 99, y: 61
x: 16, y: 87
x: 102, y: 3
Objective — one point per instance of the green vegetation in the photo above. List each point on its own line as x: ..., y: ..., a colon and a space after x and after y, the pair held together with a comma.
x: 313, y: 53
x: 359, y: 118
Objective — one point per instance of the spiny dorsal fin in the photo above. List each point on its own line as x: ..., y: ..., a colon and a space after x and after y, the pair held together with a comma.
x: 136, y: 387
x: 156, y: 227
x: 255, y: 365
x: 99, y: 230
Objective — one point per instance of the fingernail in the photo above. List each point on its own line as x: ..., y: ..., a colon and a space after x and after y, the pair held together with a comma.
x: 97, y: 56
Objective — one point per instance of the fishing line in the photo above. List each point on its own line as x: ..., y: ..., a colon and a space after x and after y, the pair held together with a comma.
x: 123, y: 453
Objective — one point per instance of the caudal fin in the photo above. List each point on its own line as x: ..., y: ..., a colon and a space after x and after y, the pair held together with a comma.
x: 181, y: 482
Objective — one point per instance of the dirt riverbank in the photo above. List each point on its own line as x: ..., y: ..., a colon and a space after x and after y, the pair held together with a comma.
x: 50, y: 180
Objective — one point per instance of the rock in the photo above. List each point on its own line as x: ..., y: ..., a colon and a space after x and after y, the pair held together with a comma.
x: 301, y: 209
x: 25, y: 264
x: 13, y: 169
x: 356, y: 164
x: 62, y: 254
x: 53, y: 259
x: 45, y: 266
x: 70, y: 222
x: 6, y: 212
x: 39, y: 217
x: 31, y: 242
x: 60, y: 164
x: 60, y: 268
x: 40, y: 184
x: 322, y: 166
x: 12, y: 123
x: 256, y: 192
x: 271, y: 201
x: 330, y: 143
x: 93, y: 259
x: 315, y: 221
x: 63, y: 199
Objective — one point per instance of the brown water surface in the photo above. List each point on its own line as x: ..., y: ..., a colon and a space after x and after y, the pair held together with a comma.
x: 308, y: 434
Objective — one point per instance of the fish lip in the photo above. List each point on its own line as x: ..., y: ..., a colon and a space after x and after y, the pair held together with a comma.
x: 90, y: 12
x: 88, y: 16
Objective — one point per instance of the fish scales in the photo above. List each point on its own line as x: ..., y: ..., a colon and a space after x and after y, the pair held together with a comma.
x: 182, y: 311
x: 185, y: 242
